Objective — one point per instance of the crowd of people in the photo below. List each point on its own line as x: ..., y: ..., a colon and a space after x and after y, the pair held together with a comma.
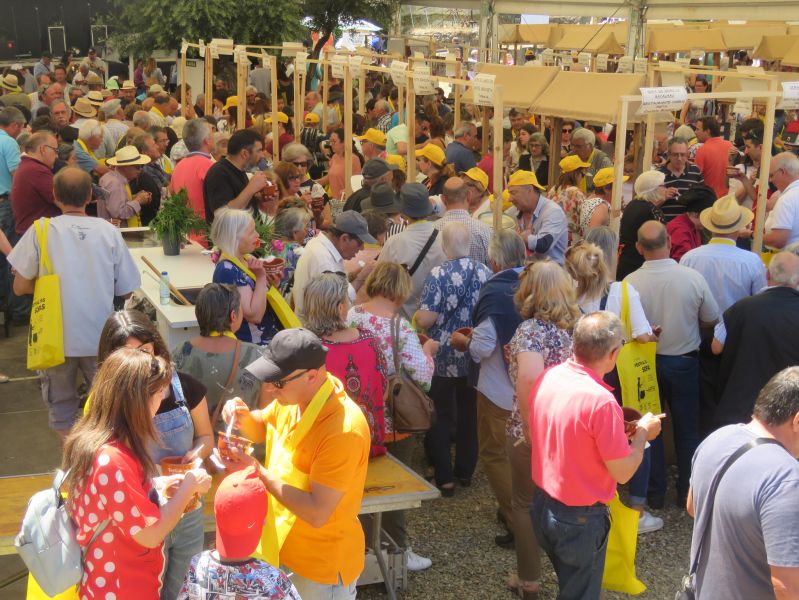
x: 513, y: 333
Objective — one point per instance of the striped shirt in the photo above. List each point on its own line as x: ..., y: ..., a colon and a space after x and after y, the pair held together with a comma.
x: 691, y: 176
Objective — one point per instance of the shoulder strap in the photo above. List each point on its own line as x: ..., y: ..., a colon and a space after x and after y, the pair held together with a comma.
x: 177, y: 389
x: 712, y: 493
x: 42, y: 228
x: 423, y: 253
x: 233, y: 368
x: 395, y: 327
x: 603, y: 303
x: 625, y: 312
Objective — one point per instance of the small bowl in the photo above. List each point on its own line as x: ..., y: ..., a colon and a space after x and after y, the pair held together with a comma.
x: 423, y: 339
x: 274, y: 267
x: 174, y: 465
x: 467, y: 331
x: 226, y: 442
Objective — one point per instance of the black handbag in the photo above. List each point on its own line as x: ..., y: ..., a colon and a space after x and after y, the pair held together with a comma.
x: 687, y: 590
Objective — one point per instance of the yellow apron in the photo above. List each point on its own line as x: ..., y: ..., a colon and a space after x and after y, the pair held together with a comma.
x: 279, y: 461
x: 135, y: 220
x: 283, y: 311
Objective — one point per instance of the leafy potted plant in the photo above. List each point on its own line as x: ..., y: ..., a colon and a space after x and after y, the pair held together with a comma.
x: 175, y: 219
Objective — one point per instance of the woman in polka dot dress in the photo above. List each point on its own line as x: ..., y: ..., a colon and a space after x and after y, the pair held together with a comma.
x: 110, y: 480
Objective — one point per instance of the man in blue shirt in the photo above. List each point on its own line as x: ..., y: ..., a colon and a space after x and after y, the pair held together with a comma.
x: 11, y: 123
x: 541, y: 222
x: 459, y: 153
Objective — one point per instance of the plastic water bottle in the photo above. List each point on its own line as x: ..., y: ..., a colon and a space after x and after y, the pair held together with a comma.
x: 164, y: 290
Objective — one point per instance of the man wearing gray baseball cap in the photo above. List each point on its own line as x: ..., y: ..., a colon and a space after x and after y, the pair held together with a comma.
x: 328, y: 251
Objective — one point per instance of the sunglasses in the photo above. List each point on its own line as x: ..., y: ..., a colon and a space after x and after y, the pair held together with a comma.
x: 280, y: 383
x: 566, y: 130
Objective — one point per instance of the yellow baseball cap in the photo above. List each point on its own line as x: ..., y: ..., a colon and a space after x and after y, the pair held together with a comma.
x: 377, y: 137
x: 478, y: 175
x: 281, y: 118
x: 604, y: 177
x: 432, y: 153
x: 230, y: 102
x: 572, y: 163
x: 397, y: 159
x: 521, y: 177
x: 311, y: 118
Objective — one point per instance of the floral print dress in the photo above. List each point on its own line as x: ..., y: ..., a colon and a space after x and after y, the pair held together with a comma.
x: 544, y: 338
x: 570, y: 199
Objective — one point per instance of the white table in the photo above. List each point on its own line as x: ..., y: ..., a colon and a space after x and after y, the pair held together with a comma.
x: 189, y: 269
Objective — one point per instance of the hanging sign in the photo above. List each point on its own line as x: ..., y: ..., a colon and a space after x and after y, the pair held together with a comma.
x: 337, y: 63
x: 584, y: 60
x: 662, y: 99
x: 697, y: 53
x: 548, y: 56
x: 300, y: 61
x: 484, y: 89
x: 602, y: 62
x: 743, y: 107
x: 683, y: 61
x: 640, y: 65
x: 423, y: 80
x: 356, y: 70
x: 790, y: 95
x: 399, y: 73
x: 625, y: 65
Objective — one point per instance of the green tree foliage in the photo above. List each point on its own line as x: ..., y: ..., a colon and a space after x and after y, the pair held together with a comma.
x: 144, y: 25
x: 327, y: 16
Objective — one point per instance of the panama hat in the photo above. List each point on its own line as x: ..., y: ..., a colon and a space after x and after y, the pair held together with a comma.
x: 94, y: 79
x: 726, y: 216
x: 127, y: 156
x: 84, y: 108
x: 10, y: 83
x: 649, y: 181
x: 127, y: 85
x: 95, y: 98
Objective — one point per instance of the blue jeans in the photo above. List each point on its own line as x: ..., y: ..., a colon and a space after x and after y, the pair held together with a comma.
x: 575, y: 538
x: 639, y: 483
x: 678, y: 379
x: 182, y: 543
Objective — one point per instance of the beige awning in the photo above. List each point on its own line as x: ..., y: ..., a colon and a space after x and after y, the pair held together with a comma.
x: 791, y: 59
x: 521, y: 85
x: 595, y: 41
x: 684, y: 40
x: 773, y: 47
x: 590, y: 97
x: 541, y: 35
x: 508, y: 34
x: 745, y: 37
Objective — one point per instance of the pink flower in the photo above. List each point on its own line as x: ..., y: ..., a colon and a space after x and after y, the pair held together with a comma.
x: 278, y: 245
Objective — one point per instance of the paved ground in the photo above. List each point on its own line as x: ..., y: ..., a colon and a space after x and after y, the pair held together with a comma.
x: 457, y: 533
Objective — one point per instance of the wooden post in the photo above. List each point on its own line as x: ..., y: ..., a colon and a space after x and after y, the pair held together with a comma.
x: 209, y: 82
x: 499, y: 183
x: 325, y: 93
x: 618, y: 167
x: 182, y: 74
x: 555, y: 139
x: 401, y: 91
x: 362, y: 94
x: 485, y: 127
x: 298, y: 102
x: 411, y: 155
x: 458, y: 92
x: 275, y: 123
x: 765, y: 165
x: 241, y: 91
x: 347, y: 132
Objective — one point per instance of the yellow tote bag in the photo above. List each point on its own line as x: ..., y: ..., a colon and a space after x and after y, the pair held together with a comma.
x: 34, y: 592
x: 619, y: 574
x: 46, y: 336
x: 636, y: 367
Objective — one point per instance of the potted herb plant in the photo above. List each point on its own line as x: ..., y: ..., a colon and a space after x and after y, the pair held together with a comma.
x: 175, y: 219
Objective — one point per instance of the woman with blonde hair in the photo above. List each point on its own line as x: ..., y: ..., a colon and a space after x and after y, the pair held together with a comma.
x: 110, y: 479
x: 546, y: 300
x: 151, y: 71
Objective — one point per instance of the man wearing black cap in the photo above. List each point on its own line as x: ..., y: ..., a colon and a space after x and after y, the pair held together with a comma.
x: 418, y: 246
x: 375, y: 170
x: 317, y: 454
x: 328, y: 251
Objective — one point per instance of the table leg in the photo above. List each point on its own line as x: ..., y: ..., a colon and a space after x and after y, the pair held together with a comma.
x: 377, y: 526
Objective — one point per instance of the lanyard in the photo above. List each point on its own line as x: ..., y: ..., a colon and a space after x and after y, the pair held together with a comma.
x: 227, y: 333
x: 239, y: 264
x: 722, y: 242
x: 89, y: 152
x: 293, y: 439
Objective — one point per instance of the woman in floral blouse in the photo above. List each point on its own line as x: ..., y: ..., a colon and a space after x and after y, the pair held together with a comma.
x: 546, y: 300
x: 567, y: 193
x: 448, y: 298
x: 388, y: 287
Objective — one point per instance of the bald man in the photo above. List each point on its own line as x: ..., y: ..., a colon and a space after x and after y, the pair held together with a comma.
x: 757, y: 339
x: 456, y: 202
x: 679, y: 300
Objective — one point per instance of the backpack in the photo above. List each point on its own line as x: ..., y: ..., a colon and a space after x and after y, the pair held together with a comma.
x: 48, y: 542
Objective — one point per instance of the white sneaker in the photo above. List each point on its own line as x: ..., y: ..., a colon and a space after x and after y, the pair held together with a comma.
x: 647, y: 523
x: 414, y: 562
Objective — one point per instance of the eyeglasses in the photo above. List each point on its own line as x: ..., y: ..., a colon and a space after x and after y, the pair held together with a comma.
x: 566, y: 130
x: 53, y: 148
x: 280, y: 383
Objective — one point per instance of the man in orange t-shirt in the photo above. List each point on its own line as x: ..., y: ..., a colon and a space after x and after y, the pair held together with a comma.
x: 327, y: 439
x: 713, y: 156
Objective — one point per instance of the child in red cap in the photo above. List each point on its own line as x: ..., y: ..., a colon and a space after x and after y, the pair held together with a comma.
x: 229, y: 571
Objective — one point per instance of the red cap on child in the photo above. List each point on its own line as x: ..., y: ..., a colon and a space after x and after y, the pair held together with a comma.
x: 240, y: 507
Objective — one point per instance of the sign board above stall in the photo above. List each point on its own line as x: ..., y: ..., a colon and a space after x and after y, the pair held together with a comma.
x: 662, y: 99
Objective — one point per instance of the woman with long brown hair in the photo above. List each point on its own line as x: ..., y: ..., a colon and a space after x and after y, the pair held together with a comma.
x: 112, y: 497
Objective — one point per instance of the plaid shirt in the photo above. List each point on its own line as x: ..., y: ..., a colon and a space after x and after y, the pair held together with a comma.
x: 479, y: 232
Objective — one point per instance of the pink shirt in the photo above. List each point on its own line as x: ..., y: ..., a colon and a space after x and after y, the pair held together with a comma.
x: 712, y: 159
x: 575, y: 425
x: 335, y: 173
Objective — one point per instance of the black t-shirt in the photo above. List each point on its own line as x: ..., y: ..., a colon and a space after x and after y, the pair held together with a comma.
x: 193, y: 392
x: 636, y: 214
x: 223, y: 182
x: 148, y: 184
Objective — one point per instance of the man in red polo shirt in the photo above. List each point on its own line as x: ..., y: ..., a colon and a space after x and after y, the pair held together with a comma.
x: 714, y: 155
x: 580, y: 451
x: 32, y: 189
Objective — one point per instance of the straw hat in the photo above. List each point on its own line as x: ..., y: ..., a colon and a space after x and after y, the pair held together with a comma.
x: 432, y: 153
x: 604, y: 177
x: 85, y: 108
x: 522, y: 177
x: 127, y: 85
x: 377, y: 137
x: 94, y: 79
x: 726, y: 216
x: 572, y: 163
x: 10, y: 83
x: 477, y: 175
x: 155, y: 89
x: 127, y: 156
